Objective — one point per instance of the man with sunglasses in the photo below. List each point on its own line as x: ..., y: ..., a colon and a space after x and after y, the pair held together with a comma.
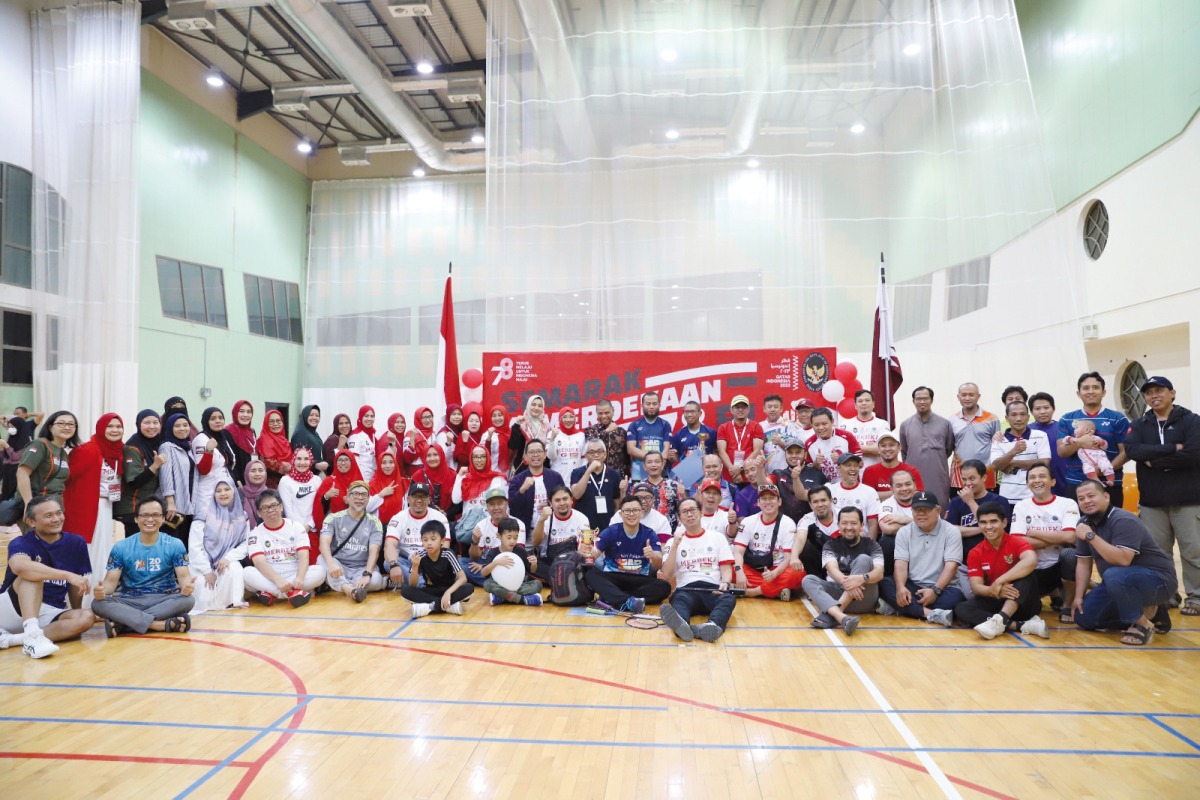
x: 279, y: 552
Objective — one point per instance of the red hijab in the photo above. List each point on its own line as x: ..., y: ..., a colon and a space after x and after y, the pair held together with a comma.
x: 243, y: 435
x: 274, y: 448
x: 81, y: 495
x: 468, y: 440
x: 342, y: 481
x: 476, y: 481
x: 562, y: 427
x: 504, y: 432
x: 383, y: 442
x: 362, y: 412
x: 442, y: 475
x: 422, y: 431
x: 393, y: 504
x: 450, y: 426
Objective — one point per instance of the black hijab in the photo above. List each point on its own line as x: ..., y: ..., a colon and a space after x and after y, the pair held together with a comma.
x: 147, y: 447
x: 175, y: 405
x: 184, y: 444
x: 221, y: 436
x: 305, y: 435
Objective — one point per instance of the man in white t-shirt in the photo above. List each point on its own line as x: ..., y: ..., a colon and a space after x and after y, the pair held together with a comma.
x: 486, y: 536
x: 701, y: 562
x: 866, y: 427
x: 850, y: 491
x: 403, y: 535
x: 1048, y: 522
x: 818, y: 526
x: 651, y: 517
x: 714, y: 516
x: 279, y: 552
x: 895, y: 511
x: 1016, y: 451
x: 828, y: 444
x: 763, y: 549
x: 804, y: 410
x: 559, y: 529
x: 777, y: 430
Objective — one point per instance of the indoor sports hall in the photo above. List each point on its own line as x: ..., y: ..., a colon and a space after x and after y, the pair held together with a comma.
x: 510, y: 208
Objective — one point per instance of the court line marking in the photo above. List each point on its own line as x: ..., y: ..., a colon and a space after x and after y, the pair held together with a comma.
x: 400, y: 630
x: 641, y: 745
x: 1018, y: 637
x: 906, y: 734
x: 1172, y: 731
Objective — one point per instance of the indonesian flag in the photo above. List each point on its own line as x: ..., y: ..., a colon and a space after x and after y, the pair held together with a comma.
x: 886, y: 376
x: 447, y: 363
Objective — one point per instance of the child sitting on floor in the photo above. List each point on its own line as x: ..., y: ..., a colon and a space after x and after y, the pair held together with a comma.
x: 509, y: 552
x: 445, y: 586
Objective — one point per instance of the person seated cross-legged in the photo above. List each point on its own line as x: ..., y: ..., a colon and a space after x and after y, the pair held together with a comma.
x: 1001, y: 570
x: 627, y: 557
x: 282, y: 564
x: 767, y: 550
x: 444, y: 582
x: 700, y: 561
x: 512, y: 553
x: 923, y: 584
x: 854, y: 564
x: 350, y: 543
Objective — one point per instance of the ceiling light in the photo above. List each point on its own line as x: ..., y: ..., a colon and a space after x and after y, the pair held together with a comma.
x: 214, y: 79
x: 752, y: 163
x: 672, y: 134
x: 304, y: 146
x: 674, y: 297
x: 477, y: 137
x: 857, y: 127
x: 418, y: 173
x: 424, y: 67
x: 668, y: 54
x: 912, y: 49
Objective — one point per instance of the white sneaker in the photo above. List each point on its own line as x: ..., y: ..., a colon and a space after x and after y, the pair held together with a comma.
x: 991, y: 627
x: 456, y: 608
x: 5, y: 640
x: 39, y: 647
x: 941, y: 616
x: 1035, y: 626
x: 885, y: 608
x: 421, y: 610
x: 785, y: 596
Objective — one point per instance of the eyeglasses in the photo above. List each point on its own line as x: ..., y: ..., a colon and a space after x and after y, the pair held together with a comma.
x: 631, y: 511
x: 270, y: 507
x: 149, y: 516
x: 63, y: 424
x: 688, y: 510
x: 359, y: 494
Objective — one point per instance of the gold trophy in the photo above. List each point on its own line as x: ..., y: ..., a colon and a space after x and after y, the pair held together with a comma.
x: 588, y: 539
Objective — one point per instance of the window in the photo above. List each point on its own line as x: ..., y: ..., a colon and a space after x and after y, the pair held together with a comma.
x: 1095, y: 229
x: 910, y: 306
x: 717, y: 308
x: 1132, y: 378
x: 379, y: 328
x: 16, y: 355
x: 274, y: 308
x: 16, y: 226
x: 469, y: 322
x: 192, y: 292
x: 967, y: 287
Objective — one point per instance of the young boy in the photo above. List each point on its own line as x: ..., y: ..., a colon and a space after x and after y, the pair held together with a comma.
x: 530, y: 590
x: 445, y: 586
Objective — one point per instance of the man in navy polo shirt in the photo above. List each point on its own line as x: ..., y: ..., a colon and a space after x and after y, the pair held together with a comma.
x: 1111, y: 429
x: 627, y: 557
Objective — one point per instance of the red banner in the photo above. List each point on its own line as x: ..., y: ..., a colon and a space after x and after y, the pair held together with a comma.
x: 710, y: 377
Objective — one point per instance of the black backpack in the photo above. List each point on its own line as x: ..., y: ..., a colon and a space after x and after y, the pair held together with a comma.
x: 567, y: 586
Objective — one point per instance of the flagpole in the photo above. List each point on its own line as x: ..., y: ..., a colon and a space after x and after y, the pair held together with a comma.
x: 887, y: 374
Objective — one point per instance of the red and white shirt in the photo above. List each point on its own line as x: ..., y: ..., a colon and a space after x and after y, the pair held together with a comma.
x: 892, y: 506
x: 755, y: 535
x: 861, y: 496
x: 490, y: 537
x: 405, y: 528
x: 717, y: 521
x: 838, y: 444
x: 1058, y: 514
x: 280, y: 546
x: 739, y: 442
x: 867, y: 432
x: 989, y: 563
x: 700, y: 557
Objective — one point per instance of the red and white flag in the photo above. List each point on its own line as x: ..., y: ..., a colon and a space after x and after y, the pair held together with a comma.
x: 886, y: 376
x: 447, y: 363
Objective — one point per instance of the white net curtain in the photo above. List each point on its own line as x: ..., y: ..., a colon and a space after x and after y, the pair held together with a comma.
x: 720, y: 174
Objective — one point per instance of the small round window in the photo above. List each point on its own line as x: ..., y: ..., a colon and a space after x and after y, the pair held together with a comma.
x: 1095, y: 229
x: 1132, y: 378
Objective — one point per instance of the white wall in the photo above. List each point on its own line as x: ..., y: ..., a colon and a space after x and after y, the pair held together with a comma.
x: 16, y: 78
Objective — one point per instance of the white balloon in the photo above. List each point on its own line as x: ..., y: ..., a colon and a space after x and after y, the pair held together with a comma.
x: 833, y: 391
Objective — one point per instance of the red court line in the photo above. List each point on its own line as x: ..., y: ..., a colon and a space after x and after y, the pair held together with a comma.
x: 186, y: 762
x: 662, y: 695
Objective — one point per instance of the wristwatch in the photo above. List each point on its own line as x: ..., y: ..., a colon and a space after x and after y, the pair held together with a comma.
x: 937, y: 590
x: 391, y: 565
x: 1090, y: 535
x: 366, y: 573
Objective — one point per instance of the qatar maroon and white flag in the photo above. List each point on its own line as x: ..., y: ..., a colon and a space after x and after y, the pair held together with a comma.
x: 447, y: 363
x: 886, y: 375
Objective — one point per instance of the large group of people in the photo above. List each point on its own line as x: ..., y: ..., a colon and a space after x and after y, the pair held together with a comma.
x: 973, y: 518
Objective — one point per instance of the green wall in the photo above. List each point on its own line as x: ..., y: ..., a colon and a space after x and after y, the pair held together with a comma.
x: 211, y: 196
x: 1112, y: 79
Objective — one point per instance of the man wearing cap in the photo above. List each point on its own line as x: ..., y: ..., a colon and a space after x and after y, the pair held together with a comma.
x: 713, y: 472
x: 649, y: 433
x: 924, y: 583
x: 1165, y: 444
x: 404, y: 533
x: 879, y: 476
x: 804, y: 409
x: 854, y: 565
x: 713, y: 515
x: 350, y: 542
x: 486, y: 536
x: 866, y: 427
x: 927, y: 442
x: 595, y: 486
x: 776, y: 430
x: 693, y: 436
x: 529, y: 490
x: 828, y: 444
x: 795, y: 480
x: 650, y: 518
x: 763, y: 547
x: 1111, y: 429
x: 739, y: 440
x: 849, y: 491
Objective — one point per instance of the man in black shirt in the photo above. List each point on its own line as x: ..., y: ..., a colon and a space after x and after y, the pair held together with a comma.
x: 595, y: 486
x: 854, y: 565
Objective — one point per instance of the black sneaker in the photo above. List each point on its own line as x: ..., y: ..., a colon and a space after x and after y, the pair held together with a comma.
x: 823, y: 621
x: 266, y: 598
x: 675, y: 622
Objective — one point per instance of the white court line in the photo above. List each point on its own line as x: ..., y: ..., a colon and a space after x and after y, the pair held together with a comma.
x: 907, y: 735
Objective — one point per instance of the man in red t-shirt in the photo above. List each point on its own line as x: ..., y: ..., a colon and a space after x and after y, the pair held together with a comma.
x: 879, y: 476
x: 738, y: 440
x: 1000, y: 569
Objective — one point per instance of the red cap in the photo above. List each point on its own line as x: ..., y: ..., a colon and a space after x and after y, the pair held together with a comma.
x: 710, y: 483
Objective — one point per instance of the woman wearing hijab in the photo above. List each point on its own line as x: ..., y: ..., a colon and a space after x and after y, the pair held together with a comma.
x: 305, y: 435
x: 177, y: 477
x: 94, y: 485
x: 533, y: 424
x: 438, y: 475
x: 213, y: 456
x: 450, y: 433
x: 338, y: 440
x: 419, y: 437
x: 274, y: 449
x: 565, y: 447
x: 331, y: 494
x: 176, y: 405
x: 242, y: 438
x: 389, y: 489
x: 218, y: 545
x: 392, y: 440
x: 470, y: 438
x: 142, y: 464
x: 474, y: 480
x: 298, y: 488
x: 43, y: 468
x: 362, y: 442
x: 495, y: 439
x: 255, y: 480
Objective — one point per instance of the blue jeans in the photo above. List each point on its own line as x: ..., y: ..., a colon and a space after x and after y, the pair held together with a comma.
x: 1121, y: 598
x: 698, y: 598
x: 950, y: 597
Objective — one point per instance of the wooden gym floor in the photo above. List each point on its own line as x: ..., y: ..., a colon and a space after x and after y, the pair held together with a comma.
x: 337, y: 698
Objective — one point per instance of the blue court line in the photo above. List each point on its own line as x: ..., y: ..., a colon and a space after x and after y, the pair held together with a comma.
x: 273, y: 728
x: 1019, y: 638
x: 400, y: 630
x: 1172, y: 731
x: 621, y: 744
x: 363, y: 698
x: 1048, y: 712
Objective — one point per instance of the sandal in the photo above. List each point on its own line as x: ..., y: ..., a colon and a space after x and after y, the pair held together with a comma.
x: 1137, y: 636
x: 1162, y: 620
x: 1190, y: 609
x: 112, y: 629
x: 1066, y: 618
x: 178, y: 624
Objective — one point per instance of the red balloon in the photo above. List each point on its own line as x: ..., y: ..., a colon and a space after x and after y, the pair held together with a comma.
x: 846, y: 408
x: 472, y: 378
x: 852, y: 387
x: 846, y: 373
